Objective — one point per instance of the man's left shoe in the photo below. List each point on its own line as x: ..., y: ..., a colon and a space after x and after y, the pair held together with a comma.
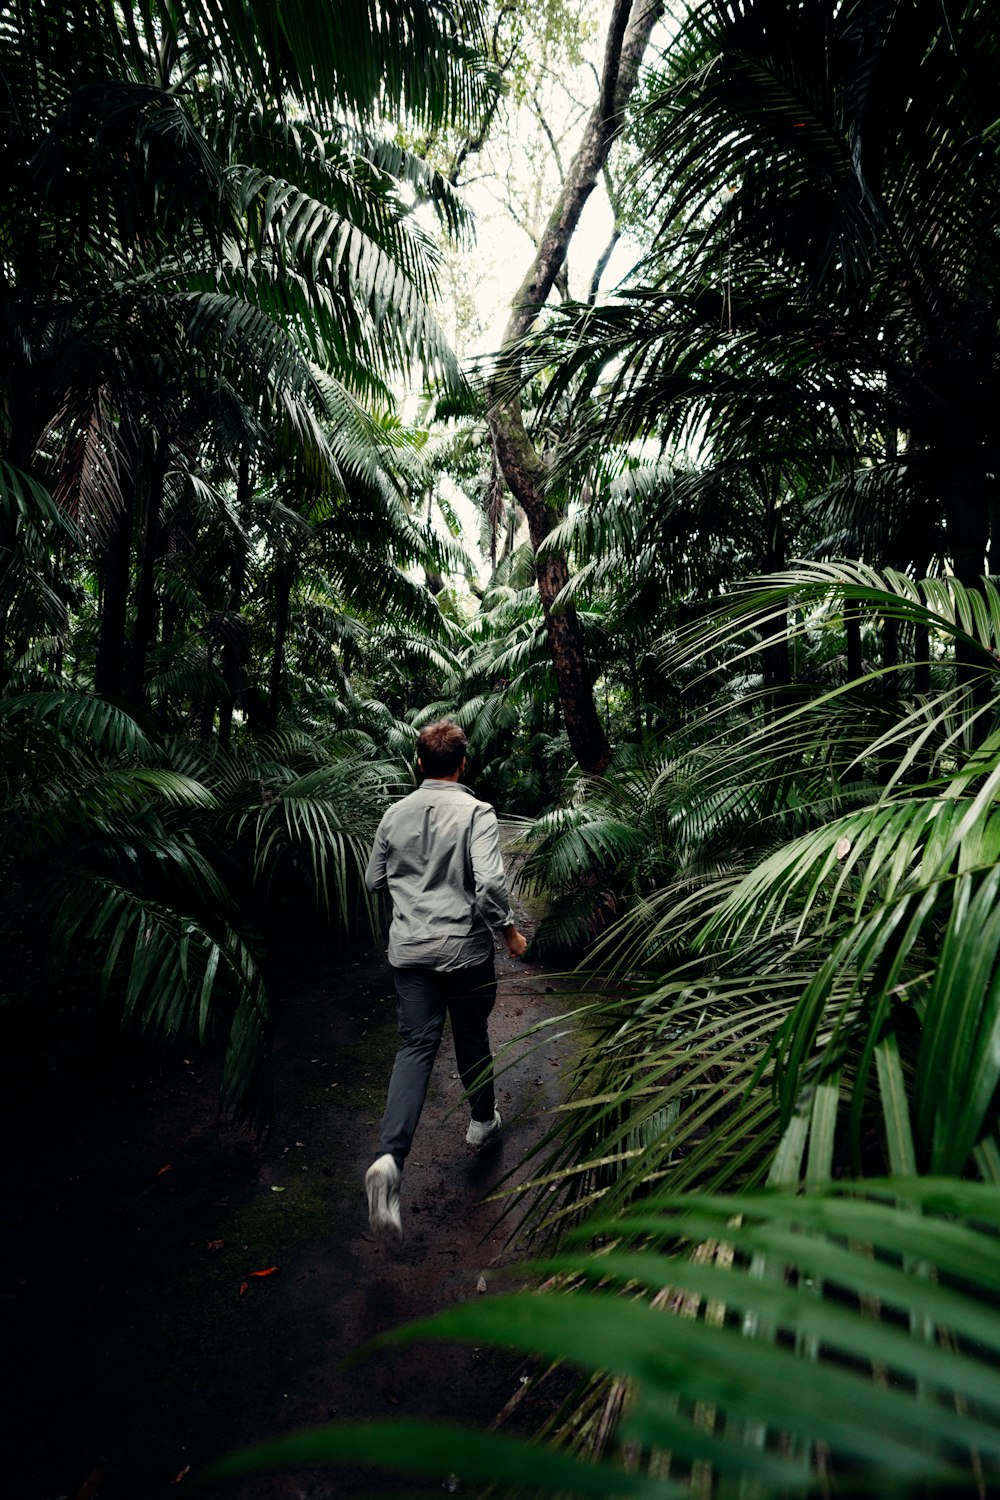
x: 481, y: 1131
x: 382, y: 1187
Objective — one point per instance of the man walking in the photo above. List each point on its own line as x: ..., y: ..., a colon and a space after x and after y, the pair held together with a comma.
x: 438, y: 853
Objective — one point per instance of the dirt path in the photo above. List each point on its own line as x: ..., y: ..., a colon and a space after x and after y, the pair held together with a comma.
x: 143, y: 1341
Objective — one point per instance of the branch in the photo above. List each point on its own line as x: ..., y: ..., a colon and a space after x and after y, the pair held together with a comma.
x: 628, y: 34
x: 602, y: 265
x: 553, y: 143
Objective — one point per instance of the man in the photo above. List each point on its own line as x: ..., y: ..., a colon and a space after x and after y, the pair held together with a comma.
x: 438, y: 854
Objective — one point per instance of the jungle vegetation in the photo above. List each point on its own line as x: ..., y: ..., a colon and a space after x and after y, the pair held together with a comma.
x: 738, y: 674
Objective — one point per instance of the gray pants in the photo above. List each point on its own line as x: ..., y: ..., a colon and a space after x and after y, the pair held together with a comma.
x: 423, y: 998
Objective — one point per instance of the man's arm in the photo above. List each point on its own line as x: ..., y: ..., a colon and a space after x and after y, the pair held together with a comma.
x: 375, y: 874
x: 492, y: 898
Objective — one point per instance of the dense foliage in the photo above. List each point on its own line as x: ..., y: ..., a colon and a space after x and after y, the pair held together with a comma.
x: 210, y: 276
x: 232, y: 585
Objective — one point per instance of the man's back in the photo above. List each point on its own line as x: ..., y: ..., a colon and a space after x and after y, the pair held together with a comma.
x: 437, y: 851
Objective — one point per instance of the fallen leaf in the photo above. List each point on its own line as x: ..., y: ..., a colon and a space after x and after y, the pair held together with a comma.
x: 167, y: 1168
x: 276, y: 1189
x: 182, y: 1475
x: 215, y: 1244
x: 843, y: 848
x: 268, y: 1271
x: 481, y: 1284
x: 91, y: 1484
x: 244, y: 1288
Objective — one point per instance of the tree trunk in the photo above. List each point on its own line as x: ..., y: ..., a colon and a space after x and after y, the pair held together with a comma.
x: 775, y: 662
x: 234, y: 643
x: 635, y: 689
x: 144, y: 631
x: 890, y: 658
x: 921, y: 637
x: 284, y: 575
x: 968, y: 539
x: 169, y: 618
x: 206, y: 716
x: 524, y: 471
x: 109, y: 670
x: 521, y: 465
x: 852, y: 631
x: 889, y: 690
x: 993, y: 509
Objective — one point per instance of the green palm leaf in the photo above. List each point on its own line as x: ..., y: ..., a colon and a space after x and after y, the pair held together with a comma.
x: 734, y: 1376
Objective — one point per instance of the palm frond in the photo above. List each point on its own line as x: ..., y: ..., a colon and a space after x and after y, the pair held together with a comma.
x: 762, y: 1339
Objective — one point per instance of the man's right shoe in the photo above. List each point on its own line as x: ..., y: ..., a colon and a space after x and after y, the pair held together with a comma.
x: 481, y: 1131
x: 382, y: 1187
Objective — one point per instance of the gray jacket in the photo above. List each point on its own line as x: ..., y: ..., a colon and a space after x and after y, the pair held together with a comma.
x: 438, y: 853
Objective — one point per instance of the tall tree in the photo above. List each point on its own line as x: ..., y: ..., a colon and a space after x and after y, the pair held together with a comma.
x: 524, y: 468
x: 825, y: 284
x: 200, y: 219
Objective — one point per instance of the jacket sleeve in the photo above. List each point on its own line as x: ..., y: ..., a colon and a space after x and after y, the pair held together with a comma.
x: 375, y: 874
x: 492, y: 899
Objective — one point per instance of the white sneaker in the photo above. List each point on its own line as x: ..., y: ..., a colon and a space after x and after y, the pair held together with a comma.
x: 481, y: 1131
x: 382, y: 1187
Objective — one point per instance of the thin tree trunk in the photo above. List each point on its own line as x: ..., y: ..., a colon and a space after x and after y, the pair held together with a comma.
x: 635, y: 690
x: 921, y: 639
x: 521, y: 465
x: 775, y: 664
x: 852, y: 630
x: 890, y: 658
x: 284, y: 575
x: 889, y: 691
x: 993, y: 510
x: 206, y: 717
x: 234, y: 641
x: 116, y: 573
x: 968, y: 538
x: 144, y: 631
x: 169, y: 617
x: 8, y: 542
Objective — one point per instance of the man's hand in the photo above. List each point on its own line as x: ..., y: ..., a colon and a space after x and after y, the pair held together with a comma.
x: 516, y: 941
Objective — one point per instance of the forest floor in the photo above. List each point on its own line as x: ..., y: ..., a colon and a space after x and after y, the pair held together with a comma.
x: 142, y: 1339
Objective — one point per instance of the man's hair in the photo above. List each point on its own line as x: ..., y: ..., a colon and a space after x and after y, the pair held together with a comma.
x: 441, y: 748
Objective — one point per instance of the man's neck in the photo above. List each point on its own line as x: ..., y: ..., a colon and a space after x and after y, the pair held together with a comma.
x: 452, y: 776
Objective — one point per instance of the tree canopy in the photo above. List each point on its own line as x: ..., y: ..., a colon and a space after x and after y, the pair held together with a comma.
x: 724, y: 631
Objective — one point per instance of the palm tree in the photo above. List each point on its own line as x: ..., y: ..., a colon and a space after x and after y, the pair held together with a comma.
x: 209, y: 274
x: 182, y: 259
x: 773, y: 1312
x: 815, y: 1002
x: 824, y: 284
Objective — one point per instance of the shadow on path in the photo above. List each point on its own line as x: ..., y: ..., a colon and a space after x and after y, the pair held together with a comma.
x: 143, y: 1338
